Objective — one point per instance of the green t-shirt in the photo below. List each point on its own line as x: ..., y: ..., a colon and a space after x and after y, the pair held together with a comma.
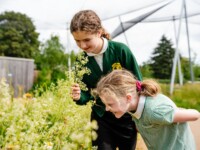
x: 157, y: 128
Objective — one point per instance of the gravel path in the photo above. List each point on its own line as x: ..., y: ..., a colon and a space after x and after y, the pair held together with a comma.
x: 195, y: 126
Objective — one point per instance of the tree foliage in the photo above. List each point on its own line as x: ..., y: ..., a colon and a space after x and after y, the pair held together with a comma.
x: 197, y: 72
x: 185, y: 65
x: 52, y: 62
x: 52, y: 54
x: 18, y: 37
x: 146, y: 70
x: 162, y: 59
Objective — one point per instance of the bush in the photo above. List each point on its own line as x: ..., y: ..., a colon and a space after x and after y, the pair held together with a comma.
x: 50, y: 121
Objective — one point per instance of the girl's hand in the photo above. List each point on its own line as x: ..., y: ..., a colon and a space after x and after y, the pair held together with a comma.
x: 76, y: 92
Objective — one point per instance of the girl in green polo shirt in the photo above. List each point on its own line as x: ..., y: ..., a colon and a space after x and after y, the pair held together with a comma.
x: 104, y: 56
x: 162, y: 125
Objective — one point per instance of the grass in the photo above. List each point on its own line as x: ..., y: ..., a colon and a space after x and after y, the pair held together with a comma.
x: 187, y: 96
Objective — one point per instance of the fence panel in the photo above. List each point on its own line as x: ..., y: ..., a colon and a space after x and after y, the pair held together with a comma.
x: 19, y: 72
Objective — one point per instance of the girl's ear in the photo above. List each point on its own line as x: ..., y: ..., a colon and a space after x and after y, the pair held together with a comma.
x: 99, y: 33
x: 129, y: 97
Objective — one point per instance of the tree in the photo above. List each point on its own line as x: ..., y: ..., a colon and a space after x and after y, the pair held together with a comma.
x: 72, y: 56
x: 146, y: 70
x: 18, y: 37
x: 197, y: 72
x: 52, y: 54
x: 185, y: 68
x: 52, y: 62
x: 162, y: 59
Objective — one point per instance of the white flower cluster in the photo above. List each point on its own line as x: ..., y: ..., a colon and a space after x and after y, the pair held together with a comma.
x: 80, y: 70
x: 4, y: 90
x: 46, y: 122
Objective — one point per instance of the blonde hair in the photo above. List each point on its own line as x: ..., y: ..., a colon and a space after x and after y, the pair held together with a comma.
x: 121, y: 82
x: 88, y: 21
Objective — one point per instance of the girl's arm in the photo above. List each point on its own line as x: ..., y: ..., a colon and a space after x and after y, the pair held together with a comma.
x: 183, y: 115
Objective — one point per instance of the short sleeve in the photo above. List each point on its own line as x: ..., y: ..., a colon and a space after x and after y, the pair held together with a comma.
x: 162, y: 114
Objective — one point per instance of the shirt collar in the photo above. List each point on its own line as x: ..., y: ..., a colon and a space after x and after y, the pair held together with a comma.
x: 140, y: 108
x: 105, y: 46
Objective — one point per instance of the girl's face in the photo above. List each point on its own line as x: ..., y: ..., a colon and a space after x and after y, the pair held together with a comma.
x: 88, y: 42
x: 118, y: 106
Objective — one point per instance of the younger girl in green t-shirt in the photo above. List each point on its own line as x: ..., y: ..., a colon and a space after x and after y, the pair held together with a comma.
x: 160, y: 122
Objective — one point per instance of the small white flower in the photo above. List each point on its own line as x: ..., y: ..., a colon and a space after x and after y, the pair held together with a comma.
x: 48, y: 145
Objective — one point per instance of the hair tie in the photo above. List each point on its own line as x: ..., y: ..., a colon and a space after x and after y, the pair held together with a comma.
x: 138, y: 85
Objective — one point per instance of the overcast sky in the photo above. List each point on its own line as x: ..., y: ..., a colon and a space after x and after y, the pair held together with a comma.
x: 52, y: 17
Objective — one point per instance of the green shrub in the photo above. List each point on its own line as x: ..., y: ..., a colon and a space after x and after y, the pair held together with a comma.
x: 50, y: 121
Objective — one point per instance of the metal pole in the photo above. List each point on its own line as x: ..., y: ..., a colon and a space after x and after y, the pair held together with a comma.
x: 179, y: 62
x: 123, y: 30
x: 175, y: 56
x: 188, y: 41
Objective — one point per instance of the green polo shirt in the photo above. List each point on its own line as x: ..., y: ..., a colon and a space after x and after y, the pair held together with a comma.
x: 116, y: 56
x: 155, y: 124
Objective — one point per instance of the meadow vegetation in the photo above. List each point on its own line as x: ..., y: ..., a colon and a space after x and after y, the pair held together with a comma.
x: 187, y: 96
x: 48, y: 119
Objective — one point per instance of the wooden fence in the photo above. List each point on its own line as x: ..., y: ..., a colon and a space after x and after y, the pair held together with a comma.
x: 19, y: 73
